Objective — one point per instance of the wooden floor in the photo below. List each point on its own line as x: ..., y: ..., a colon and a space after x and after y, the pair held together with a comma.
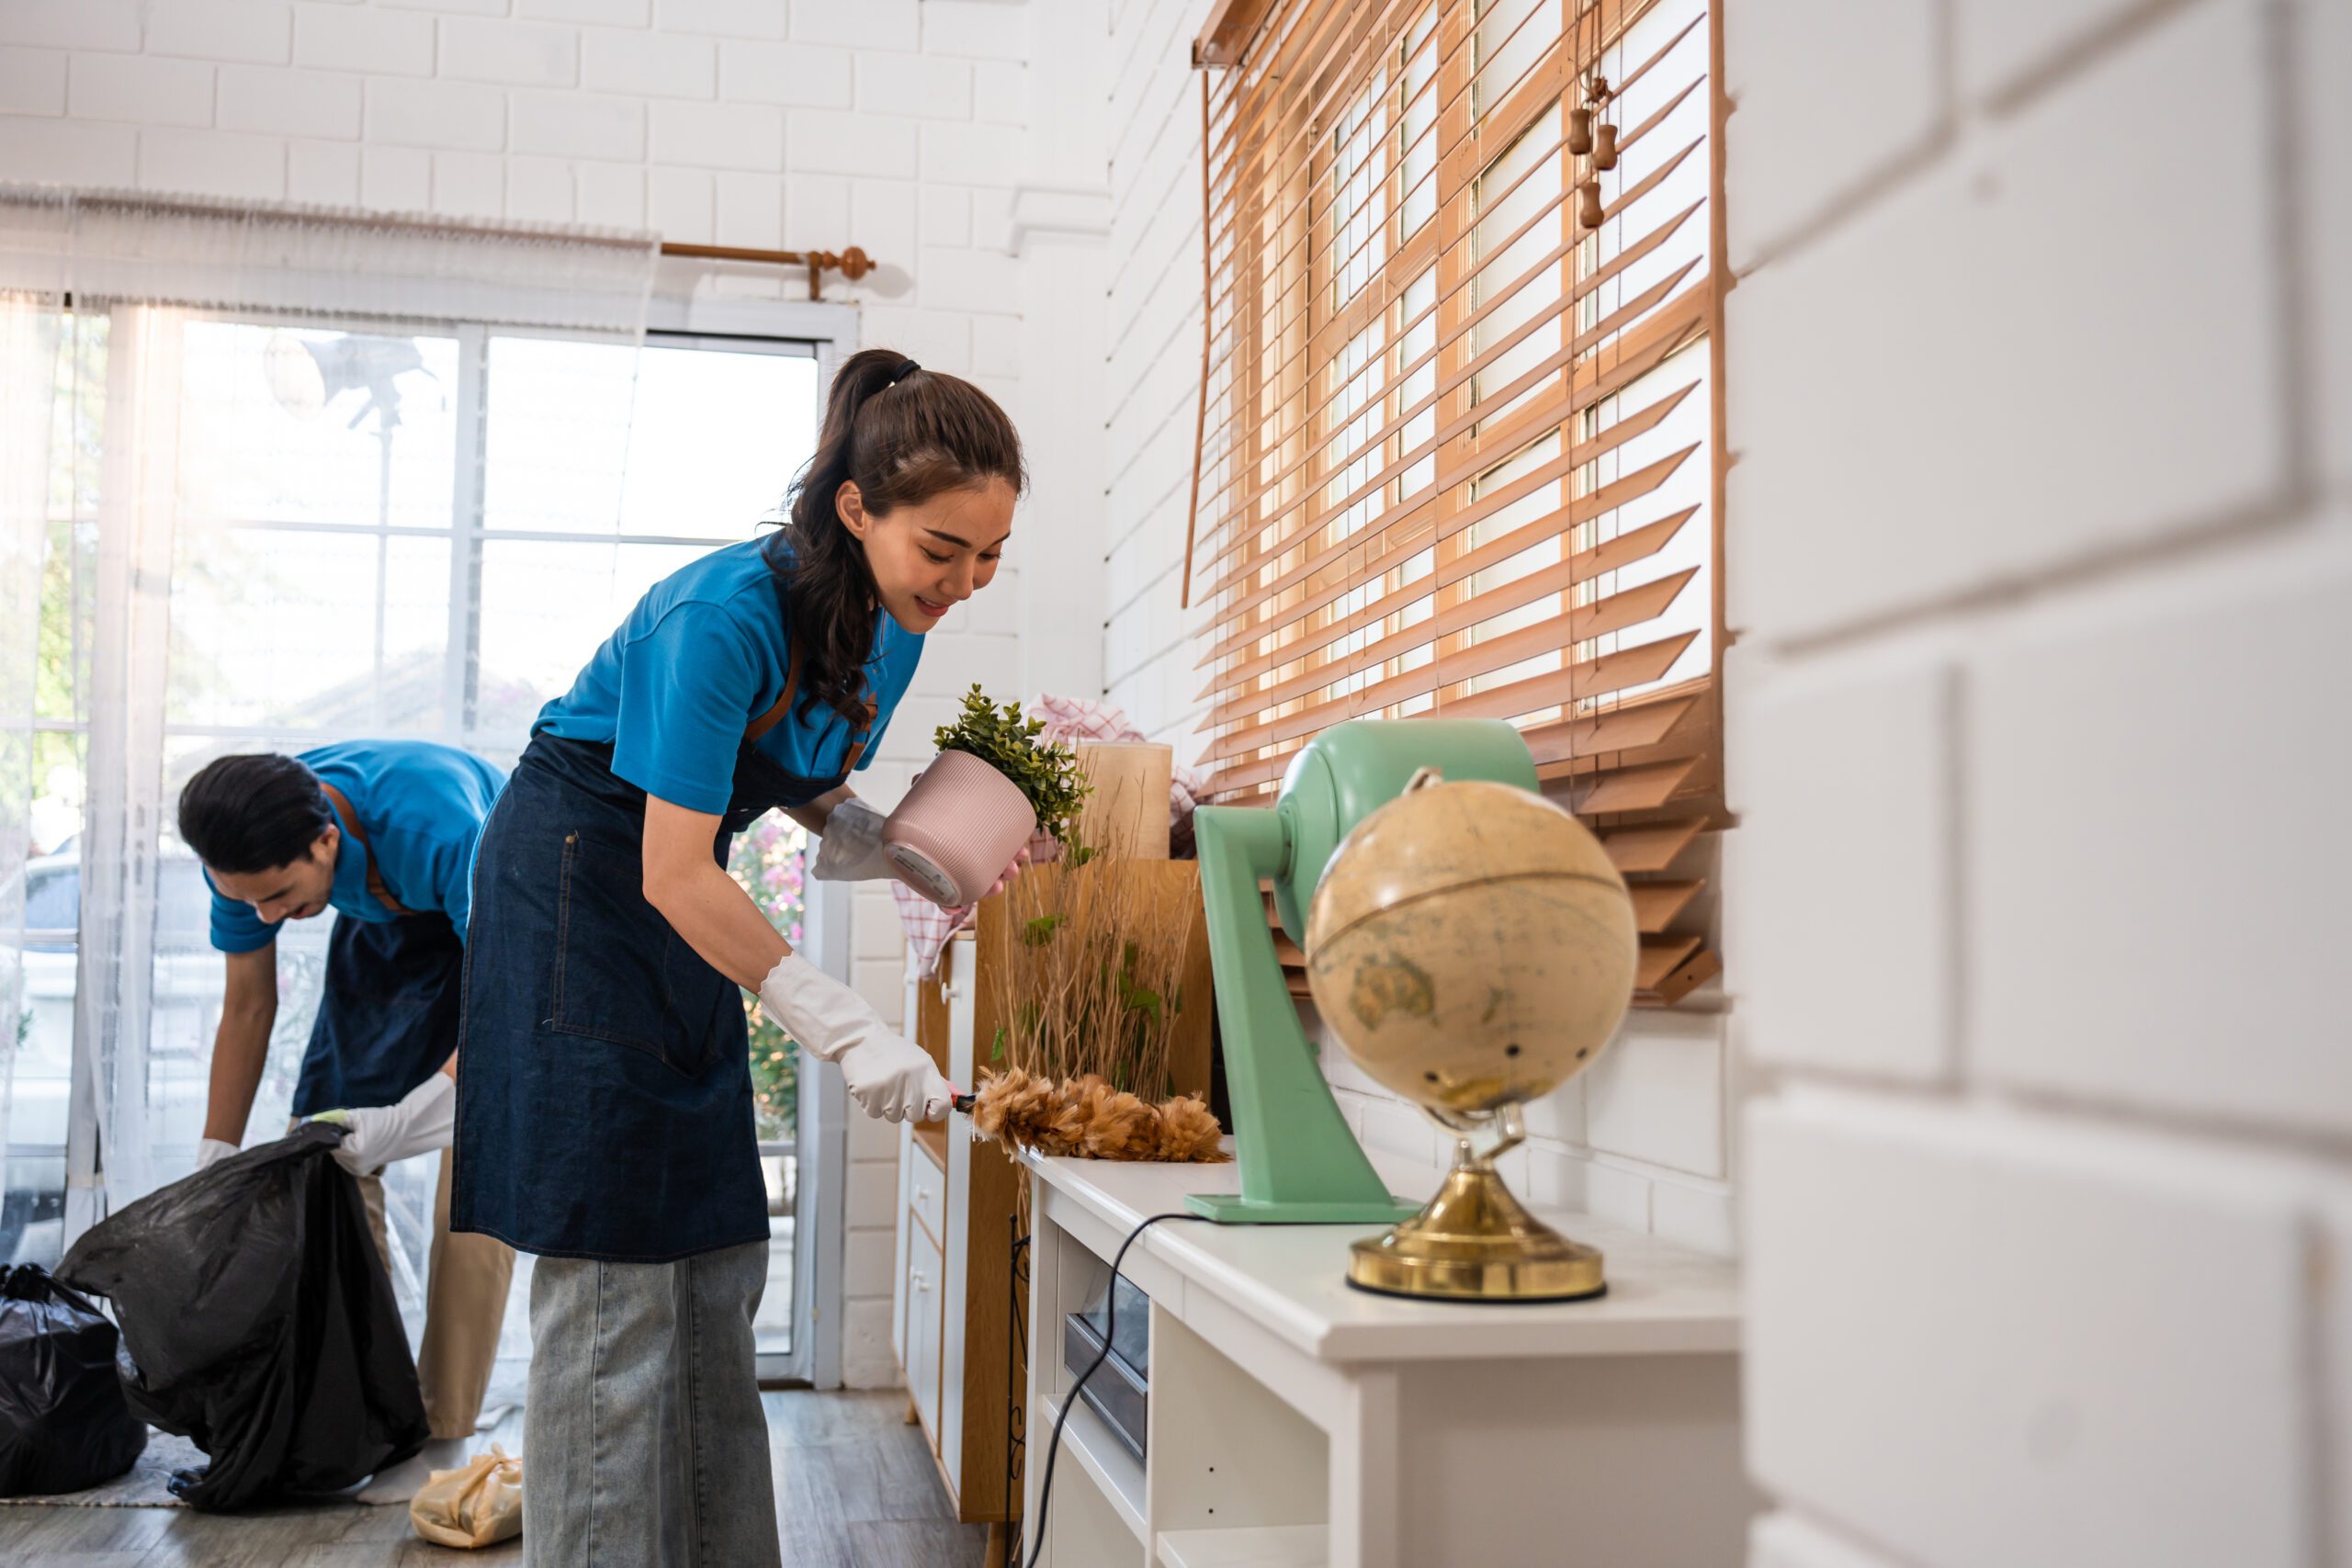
x: 854, y: 1487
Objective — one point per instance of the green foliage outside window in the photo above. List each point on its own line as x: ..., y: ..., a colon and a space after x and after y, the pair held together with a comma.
x: 769, y: 863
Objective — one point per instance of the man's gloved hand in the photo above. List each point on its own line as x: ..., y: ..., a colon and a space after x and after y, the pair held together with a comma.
x: 376, y: 1136
x: 890, y: 1076
x: 212, y: 1152
x: 850, y: 849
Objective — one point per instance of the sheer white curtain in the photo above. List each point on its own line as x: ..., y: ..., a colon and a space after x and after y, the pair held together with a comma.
x: 219, y: 417
x: 30, y: 317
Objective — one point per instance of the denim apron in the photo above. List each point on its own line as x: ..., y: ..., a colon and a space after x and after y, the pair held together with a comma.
x: 604, y: 1088
x: 387, y: 1017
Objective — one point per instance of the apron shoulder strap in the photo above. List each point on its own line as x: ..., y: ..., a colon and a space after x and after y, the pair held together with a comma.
x: 375, y: 872
x: 776, y: 715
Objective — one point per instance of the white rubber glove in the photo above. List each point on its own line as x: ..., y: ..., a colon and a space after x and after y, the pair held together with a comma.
x: 891, y: 1077
x: 212, y: 1152
x: 850, y: 849
x: 376, y: 1136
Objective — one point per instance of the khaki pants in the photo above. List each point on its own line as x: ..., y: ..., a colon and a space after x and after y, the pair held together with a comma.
x: 464, y: 1304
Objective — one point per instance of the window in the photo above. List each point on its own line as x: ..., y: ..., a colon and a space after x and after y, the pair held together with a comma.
x: 1460, y: 449
x: 379, y: 528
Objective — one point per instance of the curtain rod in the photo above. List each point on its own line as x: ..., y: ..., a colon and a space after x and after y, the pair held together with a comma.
x: 852, y: 264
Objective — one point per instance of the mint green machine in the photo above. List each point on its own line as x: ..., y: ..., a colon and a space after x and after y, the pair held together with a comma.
x: 1299, y: 1163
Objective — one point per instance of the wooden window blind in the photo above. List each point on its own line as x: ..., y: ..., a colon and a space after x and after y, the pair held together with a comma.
x: 1460, y: 409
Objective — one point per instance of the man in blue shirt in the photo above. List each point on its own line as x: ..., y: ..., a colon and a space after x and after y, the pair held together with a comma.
x: 383, y: 833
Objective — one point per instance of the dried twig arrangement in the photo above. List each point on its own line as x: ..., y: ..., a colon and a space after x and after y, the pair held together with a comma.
x: 1087, y: 1116
x: 1092, y: 984
x: 1087, y: 981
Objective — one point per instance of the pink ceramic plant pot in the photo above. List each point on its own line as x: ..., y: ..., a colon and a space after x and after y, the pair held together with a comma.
x: 959, y: 828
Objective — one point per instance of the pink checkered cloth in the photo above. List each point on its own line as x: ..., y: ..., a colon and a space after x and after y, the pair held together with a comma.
x: 930, y: 928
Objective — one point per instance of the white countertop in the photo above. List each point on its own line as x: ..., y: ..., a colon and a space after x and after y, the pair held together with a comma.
x: 1662, y: 1299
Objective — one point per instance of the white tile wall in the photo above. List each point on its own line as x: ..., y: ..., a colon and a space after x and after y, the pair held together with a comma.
x: 1658, y: 1095
x: 363, y: 39
x: 213, y: 163
x: 2071, y: 1287
x: 524, y: 54
x: 652, y: 65
x: 787, y: 73
x: 76, y: 24
x: 327, y: 173
x: 221, y: 29
x: 274, y: 101
x: 435, y: 114
x: 142, y: 89
x: 731, y: 18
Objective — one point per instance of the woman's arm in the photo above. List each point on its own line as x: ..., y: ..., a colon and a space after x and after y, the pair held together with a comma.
x: 702, y: 903
x: 814, y: 815
x: 890, y: 1076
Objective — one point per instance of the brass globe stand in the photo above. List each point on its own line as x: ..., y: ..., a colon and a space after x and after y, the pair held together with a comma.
x: 1475, y: 1241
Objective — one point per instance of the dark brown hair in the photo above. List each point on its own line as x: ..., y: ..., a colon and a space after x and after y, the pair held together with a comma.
x: 903, y: 434
x: 252, y: 812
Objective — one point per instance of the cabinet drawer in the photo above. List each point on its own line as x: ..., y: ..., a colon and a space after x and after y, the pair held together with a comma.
x: 927, y: 1192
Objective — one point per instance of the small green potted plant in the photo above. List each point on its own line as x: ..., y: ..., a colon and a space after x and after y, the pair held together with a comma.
x: 992, y: 788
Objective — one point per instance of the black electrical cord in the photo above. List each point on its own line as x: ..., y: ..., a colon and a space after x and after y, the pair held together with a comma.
x: 1069, y: 1401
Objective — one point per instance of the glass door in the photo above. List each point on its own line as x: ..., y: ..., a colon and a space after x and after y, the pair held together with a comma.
x: 357, y: 529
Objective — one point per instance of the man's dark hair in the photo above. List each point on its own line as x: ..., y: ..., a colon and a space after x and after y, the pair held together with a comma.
x: 253, y: 813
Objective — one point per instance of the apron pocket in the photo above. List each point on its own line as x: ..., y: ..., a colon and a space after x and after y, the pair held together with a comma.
x: 621, y: 973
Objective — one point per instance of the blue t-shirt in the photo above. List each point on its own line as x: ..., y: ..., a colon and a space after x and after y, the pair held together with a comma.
x: 702, y: 655
x: 422, y: 807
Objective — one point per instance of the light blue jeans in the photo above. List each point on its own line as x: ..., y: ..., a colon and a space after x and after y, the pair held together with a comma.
x: 643, y: 1440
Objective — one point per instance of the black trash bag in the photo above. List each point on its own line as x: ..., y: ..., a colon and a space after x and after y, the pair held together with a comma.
x: 63, y: 1424
x: 261, y: 1324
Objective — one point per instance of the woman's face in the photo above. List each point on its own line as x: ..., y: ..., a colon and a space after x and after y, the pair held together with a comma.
x: 928, y: 557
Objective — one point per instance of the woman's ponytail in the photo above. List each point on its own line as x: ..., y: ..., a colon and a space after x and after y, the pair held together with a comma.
x: 903, y: 434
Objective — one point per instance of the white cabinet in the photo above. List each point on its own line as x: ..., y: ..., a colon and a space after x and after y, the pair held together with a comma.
x: 927, y: 1192
x: 1297, y: 1422
x: 924, y: 1285
x: 954, y: 1312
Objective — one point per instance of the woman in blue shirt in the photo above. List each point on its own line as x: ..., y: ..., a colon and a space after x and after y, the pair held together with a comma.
x: 604, y: 1114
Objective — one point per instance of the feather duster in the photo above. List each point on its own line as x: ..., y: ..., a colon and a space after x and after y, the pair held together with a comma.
x: 1087, y: 1116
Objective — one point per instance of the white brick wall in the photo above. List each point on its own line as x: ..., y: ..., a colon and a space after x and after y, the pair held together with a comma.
x: 2055, y: 226
x: 1983, y: 1338
x: 750, y: 123
x: 2043, y: 548
x: 1845, y: 914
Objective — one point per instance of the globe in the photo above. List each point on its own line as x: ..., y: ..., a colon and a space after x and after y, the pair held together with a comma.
x: 1472, y: 947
